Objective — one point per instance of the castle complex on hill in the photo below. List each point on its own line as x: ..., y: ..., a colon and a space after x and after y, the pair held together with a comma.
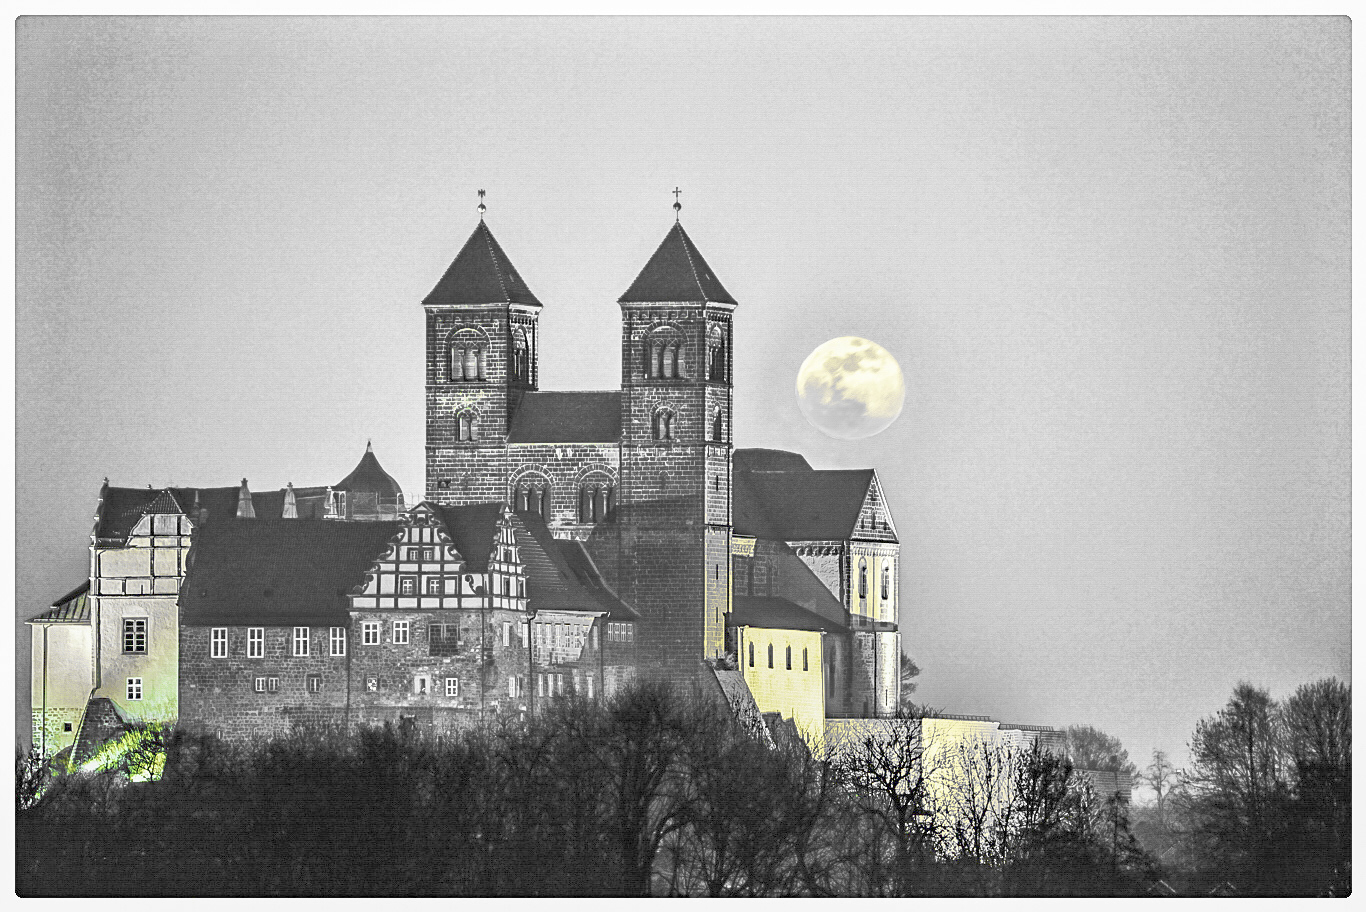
x: 567, y: 542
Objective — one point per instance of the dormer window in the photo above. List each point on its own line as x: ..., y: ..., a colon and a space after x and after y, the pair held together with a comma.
x: 338, y: 507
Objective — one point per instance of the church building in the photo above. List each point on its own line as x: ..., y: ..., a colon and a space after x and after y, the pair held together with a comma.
x: 567, y: 541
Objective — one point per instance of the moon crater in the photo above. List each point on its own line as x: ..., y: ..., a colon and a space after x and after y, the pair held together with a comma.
x: 850, y: 388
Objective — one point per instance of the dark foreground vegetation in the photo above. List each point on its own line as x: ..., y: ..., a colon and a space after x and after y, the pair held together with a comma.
x: 1265, y: 808
x: 652, y: 794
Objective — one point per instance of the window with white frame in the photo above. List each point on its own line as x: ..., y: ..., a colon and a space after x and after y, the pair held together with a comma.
x: 407, y: 585
x: 272, y: 684
x: 301, y: 641
x: 259, y: 685
x: 433, y: 585
x: 256, y: 642
x: 452, y: 687
x: 336, y: 637
x: 507, y: 633
x: 369, y: 633
x: 219, y: 643
x: 422, y: 684
x: 135, y: 688
x: 401, y: 633
x: 427, y: 554
x: 135, y: 635
x: 315, y: 683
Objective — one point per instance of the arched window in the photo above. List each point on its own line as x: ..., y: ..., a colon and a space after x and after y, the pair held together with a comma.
x: 465, y: 425
x: 751, y: 655
x: 789, y: 658
x: 521, y: 356
x: 716, y: 354
x: 595, y: 499
x: 663, y: 354
x: 886, y: 580
x: 663, y: 424
x: 717, y: 430
x: 532, y: 495
x: 770, y: 655
x: 468, y: 349
x: 862, y: 578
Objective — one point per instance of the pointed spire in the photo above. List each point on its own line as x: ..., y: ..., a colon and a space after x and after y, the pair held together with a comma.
x: 291, y: 510
x: 481, y: 274
x: 245, y: 508
x: 676, y: 272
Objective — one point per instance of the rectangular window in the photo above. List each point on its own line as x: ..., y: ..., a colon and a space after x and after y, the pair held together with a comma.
x: 452, y: 687
x: 301, y: 641
x: 256, y: 642
x: 315, y: 683
x: 427, y: 554
x: 272, y: 684
x: 401, y: 633
x: 260, y: 685
x: 630, y: 632
x: 540, y: 685
x: 410, y: 554
x: 336, y: 637
x: 135, y: 635
x: 135, y: 688
x: 219, y: 638
x: 512, y: 686
x: 559, y: 684
x: 422, y: 685
x: 507, y: 634
x: 590, y: 685
x: 369, y: 633
x: 407, y: 585
x: 433, y: 585
x: 443, y: 639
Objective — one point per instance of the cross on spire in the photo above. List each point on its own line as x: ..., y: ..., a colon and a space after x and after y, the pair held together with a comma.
x: 678, y: 207
x: 482, y: 207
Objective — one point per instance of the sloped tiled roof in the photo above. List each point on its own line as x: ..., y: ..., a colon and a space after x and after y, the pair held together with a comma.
x: 368, y: 477
x: 761, y: 460
x: 72, y: 608
x: 278, y: 572
x: 481, y: 274
x: 121, y: 508
x: 676, y: 272
x: 472, y: 529
x: 561, y: 575
x: 776, y: 613
x: 567, y: 417
x: 813, y: 505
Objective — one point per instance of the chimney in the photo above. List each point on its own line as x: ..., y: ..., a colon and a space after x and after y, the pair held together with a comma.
x: 291, y: 510
x: 245, y: 509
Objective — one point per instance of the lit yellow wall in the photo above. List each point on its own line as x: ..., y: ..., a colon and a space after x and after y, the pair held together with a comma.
x: 68, y: 674
x: 798, y: 695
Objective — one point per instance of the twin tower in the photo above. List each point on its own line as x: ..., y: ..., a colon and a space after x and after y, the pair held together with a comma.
x: 641, y: 475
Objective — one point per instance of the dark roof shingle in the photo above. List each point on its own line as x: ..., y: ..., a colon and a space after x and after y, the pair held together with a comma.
x: 777, y: 614
x: 472, y: 529
x: 567, y: 417
x: 72, y: 608
x: 481, y: 273
x: 278, y: 572
x: 676, y: 272
x: 369, y: 477
x: 561, y: 575
x: 810, y: 505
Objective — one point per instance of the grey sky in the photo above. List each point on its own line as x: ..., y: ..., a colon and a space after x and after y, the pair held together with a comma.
x: 1112, y: 257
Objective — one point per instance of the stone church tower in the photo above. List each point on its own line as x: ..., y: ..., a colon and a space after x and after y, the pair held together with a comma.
x: 676, y: 450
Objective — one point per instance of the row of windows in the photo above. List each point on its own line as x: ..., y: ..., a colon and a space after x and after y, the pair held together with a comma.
x: 256, y: 642
x: 863, y: 578
x: 442, y: 638
x: 806, y: 666
x: 552, y: 684
x: 467, y: 356
x: 661, y: 355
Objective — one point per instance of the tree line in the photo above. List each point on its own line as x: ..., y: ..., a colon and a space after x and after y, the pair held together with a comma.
x: 1264, y: 809
x: 653, y: 793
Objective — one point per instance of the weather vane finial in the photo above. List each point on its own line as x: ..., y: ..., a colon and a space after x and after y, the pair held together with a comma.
x: 482, y: 207
x: 678, y: 207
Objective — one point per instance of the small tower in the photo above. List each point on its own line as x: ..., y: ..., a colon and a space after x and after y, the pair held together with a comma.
x: 482, y: 344
x: 676, y: 443
x: 368, y: 493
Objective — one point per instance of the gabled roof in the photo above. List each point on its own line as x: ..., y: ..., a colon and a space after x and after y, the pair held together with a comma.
x: 481, y: 274
x: 567, y: 417
x: 368, y: 477
x: 776, y: 613
x: 811, y: 505
x: 761, y: 460
x: 278, y: 572
x: 72, y: 608
x: 473, y: 529
x: 560, y: 574
x: 121, y: 508
x: 676, y: 272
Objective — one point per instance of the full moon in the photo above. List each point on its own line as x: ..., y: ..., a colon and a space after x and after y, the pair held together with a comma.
x: 850, y: 388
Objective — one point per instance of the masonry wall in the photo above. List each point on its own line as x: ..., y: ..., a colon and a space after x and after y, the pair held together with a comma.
x: 797, y: 692
x: 219, y: 695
